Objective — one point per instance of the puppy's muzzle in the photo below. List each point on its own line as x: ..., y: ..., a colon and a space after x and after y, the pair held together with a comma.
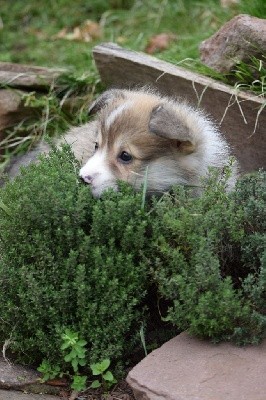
x: 88, y: 179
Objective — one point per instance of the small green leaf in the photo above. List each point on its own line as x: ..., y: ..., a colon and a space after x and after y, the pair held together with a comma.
x: 74, y: 353
x: 108, y: 376
x: 68, y: 357
x: 82, y: 342
x: 80, y: 352
x: 48, y: 371
x: 95, y: 384
x: 95, y: 369
x: 74, y: 364
x: 79, y: 383
x: 105, y: 364
x: 65, y: 346
x: 82, y: 362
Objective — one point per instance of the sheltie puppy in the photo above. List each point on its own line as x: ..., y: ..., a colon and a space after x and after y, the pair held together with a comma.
x: 139, y: 134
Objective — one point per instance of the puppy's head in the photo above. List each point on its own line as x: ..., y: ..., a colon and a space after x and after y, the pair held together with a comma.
x: 139, y: 131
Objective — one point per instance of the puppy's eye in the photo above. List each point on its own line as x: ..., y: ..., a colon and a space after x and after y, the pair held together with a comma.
x: 125, y: 157
x: 96, y: 146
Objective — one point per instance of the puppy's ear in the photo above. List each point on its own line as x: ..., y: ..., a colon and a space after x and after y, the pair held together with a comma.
x: 165, y: 122
x: 104, y: 99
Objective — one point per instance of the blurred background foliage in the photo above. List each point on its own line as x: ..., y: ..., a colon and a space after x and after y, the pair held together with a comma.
x: 29, y: 29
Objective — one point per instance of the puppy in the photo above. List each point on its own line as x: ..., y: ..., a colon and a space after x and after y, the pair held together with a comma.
x: 137, y: 135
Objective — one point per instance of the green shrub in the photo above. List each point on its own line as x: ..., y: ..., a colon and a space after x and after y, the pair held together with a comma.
x: 211, y: 260
x: 69, y: 261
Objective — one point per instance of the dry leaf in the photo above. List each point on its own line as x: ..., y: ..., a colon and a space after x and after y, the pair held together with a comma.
x: 159, y: 42
x: 37, y: 32
x: 61, y: 34
x: 86, y: 32
x: 121, y: 39
x: 228, y: 3
x: 57, y: 382
x: 92, y: 29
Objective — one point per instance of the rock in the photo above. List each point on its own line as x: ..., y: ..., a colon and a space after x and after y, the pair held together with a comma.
x: 10, y: 105
x: 12, y: 395
x: 186, y: 368
x: 239, y: 39
x: 18, y: 377
x: 24, y: 79
x: 228, y: 3
x: 26, y: 76
x: 12, y: 110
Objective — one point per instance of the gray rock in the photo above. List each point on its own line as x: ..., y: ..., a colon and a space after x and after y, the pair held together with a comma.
x: 18, y: 76
x: 12, y: 395
x: 17, y: 377
x: 186, y: 368
x: 12, y: 111
x: 27, y: 76
x: 10, y: 105
x: 239, y: 39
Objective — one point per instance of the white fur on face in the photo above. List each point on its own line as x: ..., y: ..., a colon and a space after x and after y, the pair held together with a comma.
x: 115, y: 113
x: 98, y: 174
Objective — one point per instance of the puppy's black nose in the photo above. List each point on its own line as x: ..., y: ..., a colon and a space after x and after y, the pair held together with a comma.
x: 88, y: 179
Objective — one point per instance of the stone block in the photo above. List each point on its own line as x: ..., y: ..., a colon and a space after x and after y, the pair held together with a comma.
x: 186, y: 368
x: 239, y: 39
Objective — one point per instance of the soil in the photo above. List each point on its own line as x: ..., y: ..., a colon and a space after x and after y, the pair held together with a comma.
x: 121, y: 391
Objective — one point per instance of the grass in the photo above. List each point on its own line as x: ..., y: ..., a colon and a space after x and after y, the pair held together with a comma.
x: 28, y: 29
x: 27, y: 35
x: 252, y: 75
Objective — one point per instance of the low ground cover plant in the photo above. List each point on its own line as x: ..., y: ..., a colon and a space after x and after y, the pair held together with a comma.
x: 72, y: 263
x: 211, y: 260
x: 69, y: 261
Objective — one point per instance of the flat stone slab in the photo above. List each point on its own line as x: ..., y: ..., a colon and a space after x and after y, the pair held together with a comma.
x: 13, y: 395
x: 26, y: 76
x: 186, y: 368
x: 16, y: 376
x: 25, y: 379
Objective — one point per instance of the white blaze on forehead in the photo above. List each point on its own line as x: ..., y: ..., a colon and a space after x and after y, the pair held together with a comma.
x: 115, y: 113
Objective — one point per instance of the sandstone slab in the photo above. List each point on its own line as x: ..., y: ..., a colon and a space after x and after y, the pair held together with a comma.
x: 239, y: 39
x: 186, y: 368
